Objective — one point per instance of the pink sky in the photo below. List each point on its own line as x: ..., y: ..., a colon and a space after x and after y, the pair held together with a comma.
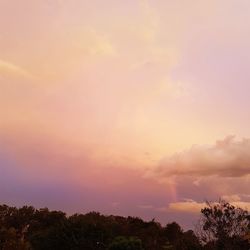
x: 125, y: 107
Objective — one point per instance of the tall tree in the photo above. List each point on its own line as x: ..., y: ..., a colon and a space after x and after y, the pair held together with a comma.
x: 223, y: 226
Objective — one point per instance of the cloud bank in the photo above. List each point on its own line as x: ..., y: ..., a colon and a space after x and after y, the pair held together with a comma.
x: 226, y: 158
x: 192, y: 206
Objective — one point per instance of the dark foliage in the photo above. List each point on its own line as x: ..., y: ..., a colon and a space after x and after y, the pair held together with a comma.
x: 223, y: 226
x: 27, y: 228
x: 123, y: 243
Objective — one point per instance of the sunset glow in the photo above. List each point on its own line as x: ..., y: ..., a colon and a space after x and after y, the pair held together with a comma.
x: 126, y: 107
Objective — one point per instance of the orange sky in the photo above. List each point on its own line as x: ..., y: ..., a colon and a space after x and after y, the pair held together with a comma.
x: 104, y: 97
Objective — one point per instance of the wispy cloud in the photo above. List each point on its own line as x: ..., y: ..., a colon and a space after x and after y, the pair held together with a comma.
x: 8, y: 68
x: 147, y: 206
x: 93, y: 43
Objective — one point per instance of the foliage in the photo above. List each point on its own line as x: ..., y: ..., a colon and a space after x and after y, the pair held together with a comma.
x: 223, y: 226
x: 179, y: 240
x: 123, y: 243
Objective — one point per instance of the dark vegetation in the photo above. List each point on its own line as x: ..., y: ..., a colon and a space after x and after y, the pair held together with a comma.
x: 222, y: 226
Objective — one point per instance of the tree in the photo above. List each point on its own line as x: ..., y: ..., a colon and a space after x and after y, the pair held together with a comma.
x: 179, y: 240
x: 173, y: 232
x: 123, y: 243
x: 223, y: 226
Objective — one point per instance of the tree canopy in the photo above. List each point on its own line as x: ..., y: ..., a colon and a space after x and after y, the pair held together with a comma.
x: 222, y: 226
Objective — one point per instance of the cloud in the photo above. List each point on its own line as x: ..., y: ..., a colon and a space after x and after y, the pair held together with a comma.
x: 7, y: 68
x: 226, y: 158
x: 147, y: 206
x: 115, y: 204
x: 93, y: 43
x: 242, y: 204
x: 192, y: 206
x: 233, y: 197
x: 189, y: 206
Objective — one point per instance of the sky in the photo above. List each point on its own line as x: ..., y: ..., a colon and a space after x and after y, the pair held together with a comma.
x: 134, y: 107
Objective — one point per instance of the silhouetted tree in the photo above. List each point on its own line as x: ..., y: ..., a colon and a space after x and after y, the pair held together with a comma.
x: 223, y: 226
x: 179, y: 240
x: 123, y: 243
x: 173, y: 232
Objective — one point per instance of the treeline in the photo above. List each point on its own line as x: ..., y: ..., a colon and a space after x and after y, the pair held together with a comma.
x: 27, y: 228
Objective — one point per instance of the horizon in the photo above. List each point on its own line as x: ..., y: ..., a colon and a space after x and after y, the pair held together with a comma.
x: 135, y: 108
